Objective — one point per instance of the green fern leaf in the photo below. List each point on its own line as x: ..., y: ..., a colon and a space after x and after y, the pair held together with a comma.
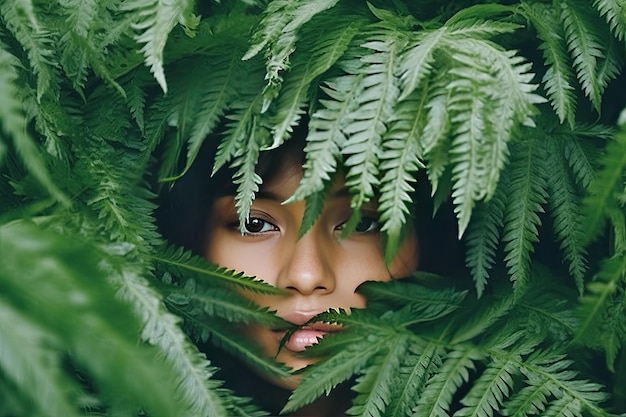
x: 154, y: 21
x: 530, y: 400
x: 424, y: 304
x: 400, y: 161
x: 485, y: 117
x: 214, y: 97
x: 585, y: 45
x: 483, y: 236
x: 244, y: 117
x: 527, y: 195
x: 582, y: 158
x: 375, y: 385
x: 314, y: 205
x: 614, y: 12
x: 374, y: 109
x: 600, y: 202
x: 557, y: 79
x: 30, y: 363
x: 326, y: 134
x: 490, y: 390
x: 436, y: 399
x: 596, y: 329
x: 466, y: 147
x: 179, y: 261
x: 13, y: 122
x: 324, y: 376
x: 279, y: 29
x: 229, y: 338
x: 436, y: 140
x: 325, y: 47
x: 223, y: 303
x: 565, y: 207
x: 417, y: 61
x: 20, y: 19
x: 550, y: 367
x: 246, y: 178
x: 162, y: 329
x: 413, y: 372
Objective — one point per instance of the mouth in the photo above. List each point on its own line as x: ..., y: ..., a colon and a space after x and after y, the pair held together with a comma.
x: 305, y: 335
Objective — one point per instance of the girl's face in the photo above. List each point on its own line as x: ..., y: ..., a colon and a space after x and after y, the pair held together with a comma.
x: 319, y: 271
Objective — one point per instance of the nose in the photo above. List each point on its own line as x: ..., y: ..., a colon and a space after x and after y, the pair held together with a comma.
x: 308, y: 267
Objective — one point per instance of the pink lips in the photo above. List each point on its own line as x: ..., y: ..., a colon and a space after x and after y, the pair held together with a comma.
x: 307, y: 335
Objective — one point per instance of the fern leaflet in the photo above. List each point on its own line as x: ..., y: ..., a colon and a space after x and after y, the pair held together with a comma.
x: 436, y: 399
x: 527, y: 195
x: 613, y: 10
x: 155, y: 20
x: 377, y: 381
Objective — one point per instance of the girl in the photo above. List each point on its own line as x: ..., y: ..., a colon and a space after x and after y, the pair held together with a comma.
x: 318, y: 271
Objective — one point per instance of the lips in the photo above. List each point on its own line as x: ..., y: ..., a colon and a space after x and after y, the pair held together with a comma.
x: 305, y: 335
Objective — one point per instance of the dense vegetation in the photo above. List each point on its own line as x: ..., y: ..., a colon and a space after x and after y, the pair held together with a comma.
x: 511, y: 112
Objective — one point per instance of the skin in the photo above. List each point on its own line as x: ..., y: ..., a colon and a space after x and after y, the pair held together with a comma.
x: 319, y: 271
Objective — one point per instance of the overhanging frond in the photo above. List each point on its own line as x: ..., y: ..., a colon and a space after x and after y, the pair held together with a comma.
x: 153, y: 20
x: 527, y: 195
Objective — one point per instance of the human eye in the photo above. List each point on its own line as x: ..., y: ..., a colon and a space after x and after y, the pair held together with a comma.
x: 256, y: 225
x: 366, y: 224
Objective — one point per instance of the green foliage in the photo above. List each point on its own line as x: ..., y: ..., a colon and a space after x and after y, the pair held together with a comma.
x: 510, y: 110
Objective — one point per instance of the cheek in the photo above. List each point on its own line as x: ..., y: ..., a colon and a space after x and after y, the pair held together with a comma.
x: 252, y: 259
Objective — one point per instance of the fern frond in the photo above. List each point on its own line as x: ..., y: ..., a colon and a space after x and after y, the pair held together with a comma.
x: 599, y: 327
x: 30, y: 363
x: 548, y: 367
x: 582, y: 157
x: 13, y: 122
x: 613, y: 11
x: 436, y: 140
x: 246, y: 178
x: 179, y: 261
x: 154, y: 20
x: 483, y: 236
x: 485, y: 117
x: 601, y: 202
x: 223, y: 303
x: 161, y: 329
x: 375, y: 385
x: 322, y: 378
x: 527, y: 195
x: 425, y: 304
x: 565, y: 207
x: 326, y: 134
x: 585, y: 45
x: 490, y: 390
x: 436, y: 398
x: 415, y: 369
x: 400, y: 161
x: 530, y: 400
x: 324, y: 49
x: 374, y: 108
x: 244, y: 116
x: 417, y: 61
x: 21, y: 20
x: 314, y: 206
x: 557, y: 79
x: 221, y: 333
x: 212, y: 99
x: 279, y: 30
